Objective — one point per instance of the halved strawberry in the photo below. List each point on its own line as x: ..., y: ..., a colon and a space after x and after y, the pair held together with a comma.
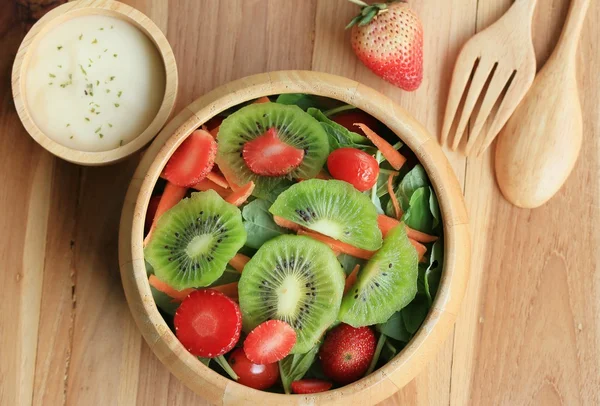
x: 267, y: 155
x: 208, y: 323
x: 306, y: 386
x: 192, y: 161
x: 270, y: 342
x: 150, y: 212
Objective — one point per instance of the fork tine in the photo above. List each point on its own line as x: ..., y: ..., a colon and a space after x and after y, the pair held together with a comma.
x: 494, y: 90
x: 460, y: 78
x: 514, y: 94
x: 481, y: 76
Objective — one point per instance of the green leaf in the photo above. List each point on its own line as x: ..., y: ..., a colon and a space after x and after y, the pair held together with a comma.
x: 368, y: 17
x: 304, y: 101
x: 230, y: 275
x: 433, y: 273
x: 395, y: 328
x: 259, y: 223
x: 226, y: 367
x: 388, y: 352
x: 164, y: 302
x: 418, y: 215
x: 149, y: 269
x: 205, y: 361
x: 434, y: 207
x: 414, y: 313
x: 340, y: 136
x: 380, y: 343
x: 294, y: 367
x: 348, y: 262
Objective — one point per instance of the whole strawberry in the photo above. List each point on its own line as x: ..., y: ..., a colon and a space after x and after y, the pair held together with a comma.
x: 388, y: 39
x: 347, y: 352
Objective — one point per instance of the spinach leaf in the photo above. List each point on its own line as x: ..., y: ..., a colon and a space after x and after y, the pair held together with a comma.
x: 259, y: 223
x: 388, y: 352
x: 418, y: 215
x: 164, y: 302
x: 415, y: 179
x: 294, y: 367
x: 349, y: 262
x: 433, y: 273
x: 380, y: 342
x: 149, y: 269
x: 395, y: 328
x: 304, y: 101
x: 340, y: 136
x: 414, y: 313
x: 205, y: 361
x: 434, y: 207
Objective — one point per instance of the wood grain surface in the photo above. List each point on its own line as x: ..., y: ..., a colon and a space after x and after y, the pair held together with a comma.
x: 529, y: 330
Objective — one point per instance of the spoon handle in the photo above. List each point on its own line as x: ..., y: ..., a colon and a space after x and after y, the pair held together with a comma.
x: 567, y: 43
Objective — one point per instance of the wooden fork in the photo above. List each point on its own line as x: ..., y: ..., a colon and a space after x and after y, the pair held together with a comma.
x: 503, y: 56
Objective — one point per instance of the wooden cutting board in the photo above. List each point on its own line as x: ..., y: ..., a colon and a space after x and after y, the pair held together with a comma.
x: 529, y: 331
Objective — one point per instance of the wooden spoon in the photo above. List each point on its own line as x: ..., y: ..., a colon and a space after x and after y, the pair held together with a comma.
x: 539, y: 146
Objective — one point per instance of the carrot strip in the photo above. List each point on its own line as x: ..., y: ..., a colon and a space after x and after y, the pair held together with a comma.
x: 387, y: 223
x: 336, y: 245
x: 206, y: 184
x: 239, y: 261
x: 218, y: 179
x: 260, y: 100
x: 230, y: 290
x: 351, y: 279
x: 393, y: 197
x: 239, y: 197
x: 285, y: 223
x: 395, y: 158
x: 321, y: 175
x: 170, y: 197
x: 421, y: 249
x: 419, y: 236
x: 177, y: 295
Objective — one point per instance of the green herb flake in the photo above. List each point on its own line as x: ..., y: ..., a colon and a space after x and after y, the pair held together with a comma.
x: 110, y: 125
x: 98, y: 130
x: 51, y: 75
x: 82, y: 70
x: 70, y: 76
x: 101, y: 135
x: 60, y: 66
x: 117, y: 104
x: 107, y: 90
x: 97, y: 83
x: 115, y: 55
x: 50, y: 83
x: 90, y: 59
x: 112, y: 26
x: 111, y: 78
x: 95, y: 41
x: 80, y: 37
x: 101, y: 28
x: 119, y: 94
x: 87, y: 119
x: 92, y: 110
x: 71, y: 137
x: 105, y: 49
x: 68, y: 125
x: 121, y: 143
x: 97, y: 112
x: 59, y: 47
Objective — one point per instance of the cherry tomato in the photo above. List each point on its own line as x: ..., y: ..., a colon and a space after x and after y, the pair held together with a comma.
x: 253, y: 375
x: 348, y: 118
x: 353, y: 166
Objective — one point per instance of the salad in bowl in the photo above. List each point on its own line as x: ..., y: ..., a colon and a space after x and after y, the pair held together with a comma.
x: 293, y: 244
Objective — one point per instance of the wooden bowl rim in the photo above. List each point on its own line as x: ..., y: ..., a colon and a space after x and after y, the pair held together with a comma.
x: 83, y: 8
x: 396, y: 373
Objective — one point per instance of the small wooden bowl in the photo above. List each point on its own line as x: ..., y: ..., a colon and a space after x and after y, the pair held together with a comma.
x: 80, y: 8
x: 383, y: 382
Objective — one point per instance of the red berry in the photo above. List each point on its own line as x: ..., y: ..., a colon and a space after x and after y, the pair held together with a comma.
x: 353, y: 166
x: 267, y: 155
x: 253, y: 375
x: 270, y: 342
x: 347, y: 120
x: 151, y: 212
x: 192, y: 161
x: 347, y: 352
x: 208, y: 323
x: 307, y: 386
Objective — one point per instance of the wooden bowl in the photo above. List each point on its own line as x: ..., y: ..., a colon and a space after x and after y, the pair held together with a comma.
x: 438, y: 324
x: 84, y: 8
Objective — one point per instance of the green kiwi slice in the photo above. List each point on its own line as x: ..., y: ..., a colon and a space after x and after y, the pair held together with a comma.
x: 193, y: 242
x: 385, y: 285
x: 295, y: 279
x: 294, y: 127
x: 333, y: 208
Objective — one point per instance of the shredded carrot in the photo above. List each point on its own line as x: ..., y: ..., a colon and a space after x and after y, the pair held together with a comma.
x: 393, y: 197
x: 177, y: 295
x: 419, y: 236
x: 206, y: 184
x: 386, y: 224
x: 421, y: 249
x: 239, y: 197
x: 351, y: 279
x: 336, y: 245
x: 218, y: 179
x: 170, y: 197
x: 230, y: 290
x: 285, y: 223
x: 395, y: 158
x: 239, y: 261
x: 263, y: 99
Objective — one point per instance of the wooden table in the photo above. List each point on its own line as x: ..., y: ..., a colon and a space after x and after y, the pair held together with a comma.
x: 529, y: 331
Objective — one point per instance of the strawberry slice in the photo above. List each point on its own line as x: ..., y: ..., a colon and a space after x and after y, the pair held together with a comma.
x: 307, y: 386
x: 208, y: 323
x: 270, y: 342
x: 267, y: 155
x: 192, y: 161
x: 150, y: 213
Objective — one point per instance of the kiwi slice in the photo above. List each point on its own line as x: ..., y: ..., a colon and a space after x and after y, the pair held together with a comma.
x: 193, y: 242
x: 294, y: 127
x: 295, y: 279
x: 333, y: 208
x: 385, y: 285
